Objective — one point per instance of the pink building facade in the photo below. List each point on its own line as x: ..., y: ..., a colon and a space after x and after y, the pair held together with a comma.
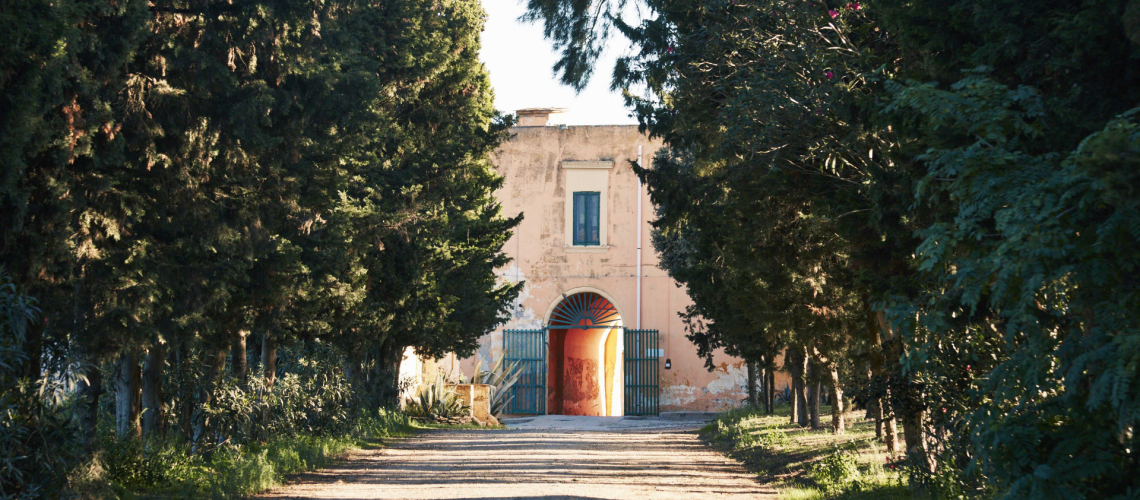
x: 596, y: 326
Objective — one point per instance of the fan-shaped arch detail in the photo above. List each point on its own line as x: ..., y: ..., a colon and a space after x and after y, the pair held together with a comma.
x: 583, y: 311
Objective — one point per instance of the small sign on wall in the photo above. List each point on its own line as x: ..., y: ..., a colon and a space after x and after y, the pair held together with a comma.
x: 655, y: 352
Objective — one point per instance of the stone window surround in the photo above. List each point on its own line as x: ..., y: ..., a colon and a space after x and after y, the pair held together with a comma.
x: 589, y: 175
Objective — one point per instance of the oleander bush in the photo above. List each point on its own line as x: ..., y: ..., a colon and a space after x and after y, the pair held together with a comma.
x: 38, y: 440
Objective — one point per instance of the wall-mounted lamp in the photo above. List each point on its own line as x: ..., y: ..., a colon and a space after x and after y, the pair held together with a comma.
x: 668, y: 363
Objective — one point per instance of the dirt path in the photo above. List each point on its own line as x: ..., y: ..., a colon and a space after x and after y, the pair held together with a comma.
x: 552, y: 461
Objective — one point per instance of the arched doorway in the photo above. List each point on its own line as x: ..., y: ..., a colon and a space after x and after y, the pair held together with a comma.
x: 583, y: 374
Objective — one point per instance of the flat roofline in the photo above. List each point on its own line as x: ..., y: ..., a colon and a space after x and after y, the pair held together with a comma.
x: 541, y: 111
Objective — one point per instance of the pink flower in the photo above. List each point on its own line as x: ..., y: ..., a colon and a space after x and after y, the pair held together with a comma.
x: 833, y: 13
x: 670, y: 49
x: 853, y: 6
x: 967, y: 367
x: 829, y: 74
x: 944, y: 410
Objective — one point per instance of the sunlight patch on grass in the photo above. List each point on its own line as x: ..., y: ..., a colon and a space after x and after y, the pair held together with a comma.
x: 807, y: 464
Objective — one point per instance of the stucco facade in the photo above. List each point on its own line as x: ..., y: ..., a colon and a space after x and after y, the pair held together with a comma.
x: 542, y: 167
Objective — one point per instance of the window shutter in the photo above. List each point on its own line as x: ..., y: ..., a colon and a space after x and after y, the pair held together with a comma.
x: 579, y: 218
x: 587, y: 215
x: 593, y: 217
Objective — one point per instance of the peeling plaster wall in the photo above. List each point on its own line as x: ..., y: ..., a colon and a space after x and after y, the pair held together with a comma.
x: 535, y: 185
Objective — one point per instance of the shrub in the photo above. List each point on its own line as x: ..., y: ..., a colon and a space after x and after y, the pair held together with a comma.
x: 836, y: 469
x: 37, y: 440
x: 151, y: 463
x: 773, y: 439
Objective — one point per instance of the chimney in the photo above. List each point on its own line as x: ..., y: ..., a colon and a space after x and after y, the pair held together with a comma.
x: 536, y: 117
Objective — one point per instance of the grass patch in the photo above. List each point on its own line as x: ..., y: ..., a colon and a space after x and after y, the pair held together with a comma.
x: 242, y: 471
x: 806, y: 464
x: 167, y: 469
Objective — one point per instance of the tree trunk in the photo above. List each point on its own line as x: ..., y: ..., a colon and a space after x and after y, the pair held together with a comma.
x: 875, y: 412
x: 890, y: 428
x: 911, y: 412
x: 239, y: 366
x: 801, y: 393
x: 128, y: 396
x: 268, y: 359
x: 874, y: 409
x: 90, y: 388
x: 771, y: 389
x: 885, y: 419
x: 185, y: 393
x: 752, y: 398
x: 154, y: 411
x: 388, y: 375
x: 214, y: 370
x: 791, y: 364
x: 351, y: 369
x: 801, y: 412
x: 35, y: 348
x: 912, y: 433
x: 837, y: 424
x: 762, y: 397
x: 814, y: 392
x: 91, y: 385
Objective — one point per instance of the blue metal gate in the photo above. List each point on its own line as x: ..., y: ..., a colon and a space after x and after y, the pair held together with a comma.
x: 642, y: 388
x: 528, y: 349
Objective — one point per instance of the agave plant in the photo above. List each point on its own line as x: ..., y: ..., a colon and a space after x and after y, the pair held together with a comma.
x: 501, y: 378
x: 784, y: 396
x: 435, y: 399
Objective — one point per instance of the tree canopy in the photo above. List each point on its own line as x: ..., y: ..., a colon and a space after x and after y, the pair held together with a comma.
x: 927, y: 196
x: 188, y: 187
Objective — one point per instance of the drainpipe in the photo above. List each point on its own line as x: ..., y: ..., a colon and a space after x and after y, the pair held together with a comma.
x: 639, y: 241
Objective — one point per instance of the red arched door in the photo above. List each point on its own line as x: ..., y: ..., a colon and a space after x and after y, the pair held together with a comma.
x: 583, y: 373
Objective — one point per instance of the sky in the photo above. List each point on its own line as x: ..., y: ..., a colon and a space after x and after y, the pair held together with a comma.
x: 519, y: 60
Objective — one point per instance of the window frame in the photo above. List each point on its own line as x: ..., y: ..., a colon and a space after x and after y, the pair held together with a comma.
x: 587, y: 204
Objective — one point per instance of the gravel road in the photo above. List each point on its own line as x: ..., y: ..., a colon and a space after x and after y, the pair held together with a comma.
x: 549, y: 457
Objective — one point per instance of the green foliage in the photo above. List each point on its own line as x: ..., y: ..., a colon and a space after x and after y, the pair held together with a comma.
x: 1042, y: 259
x: 939, y: 193
x: 154, y: 464
x: 772, y: 439
x: 244, y: 213
x: 836, y: 469
x: 241, y: 472
x: 230, y: 471
x: 382, y: 424
x: 742, y: 429
x: 810, y: 464
x: 37, y: 440
x: 312, y: 398
x: 167, y: 467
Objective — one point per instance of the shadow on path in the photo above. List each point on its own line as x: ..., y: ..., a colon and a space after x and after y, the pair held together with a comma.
x: 522, y: 464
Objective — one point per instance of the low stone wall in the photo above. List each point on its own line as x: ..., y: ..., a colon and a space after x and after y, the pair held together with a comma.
x: 478, y: 398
